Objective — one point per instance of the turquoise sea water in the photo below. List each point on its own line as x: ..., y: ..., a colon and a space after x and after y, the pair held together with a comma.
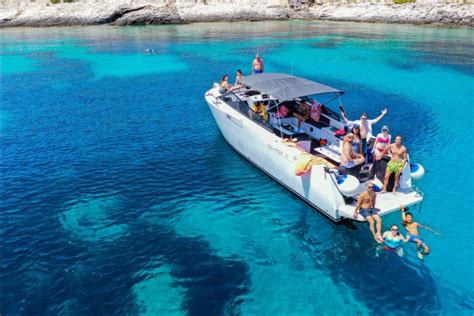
x: 120, y: 196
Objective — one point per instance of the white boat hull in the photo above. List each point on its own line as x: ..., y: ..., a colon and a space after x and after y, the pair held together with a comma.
x: 272, y: 155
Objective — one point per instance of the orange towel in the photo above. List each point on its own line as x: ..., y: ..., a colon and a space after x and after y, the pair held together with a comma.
x: 303, y: 164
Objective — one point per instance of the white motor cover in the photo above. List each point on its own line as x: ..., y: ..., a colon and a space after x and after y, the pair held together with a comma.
x: 416, y: 171
x: 348, y: 185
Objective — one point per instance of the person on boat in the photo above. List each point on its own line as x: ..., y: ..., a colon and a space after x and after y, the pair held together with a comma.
x: 413, y: 234
x: 366, y: 208
x: 365, y: 126
x: 393, y: 240
x: 282, y: 112
x: 238, y: 79
x: 257, y: 65
x: 396, y: 164
x: 224, y: 85
x: 382, y: 141
x: 259, y: 109
x: 303, y: 113
x: 357, y: 142
x: 349, y: 158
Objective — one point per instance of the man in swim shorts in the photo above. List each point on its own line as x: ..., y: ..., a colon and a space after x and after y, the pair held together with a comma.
x: 413, y: 234
x: 396, y: 164
x: 257, y: 65
x: 366, y: 208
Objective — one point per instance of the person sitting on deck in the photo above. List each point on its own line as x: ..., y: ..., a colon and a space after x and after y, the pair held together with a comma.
x: 303, y: 113
x: 238, y: 79
x: 413, y: 234
x: 396, y: 164
x: 282, y: 112
x: 366, y: 208
x: 224, y: 85
x: 350, y: 159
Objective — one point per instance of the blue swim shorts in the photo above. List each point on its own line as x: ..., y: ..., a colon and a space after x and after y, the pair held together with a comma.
x: 412, y: 239
x: 365, y: 212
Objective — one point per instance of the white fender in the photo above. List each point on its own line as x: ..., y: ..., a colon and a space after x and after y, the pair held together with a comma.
x: 378, y: 185
x: 348, y: 185
x: 416, y: 171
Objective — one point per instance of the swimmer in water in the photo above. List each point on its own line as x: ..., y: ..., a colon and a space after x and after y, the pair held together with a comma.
x: 393, y: 241
x: 413, y: 234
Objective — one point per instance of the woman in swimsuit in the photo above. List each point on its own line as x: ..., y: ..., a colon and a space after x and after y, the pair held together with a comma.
x: 382, y: 141
x: 224, y: 85
x: 238, y: 79
x: 393, y: 240
x: 357, y: 142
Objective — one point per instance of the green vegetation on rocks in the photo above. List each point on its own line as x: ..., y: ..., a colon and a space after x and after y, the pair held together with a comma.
x: 58, y: 1
x: 403, y: 1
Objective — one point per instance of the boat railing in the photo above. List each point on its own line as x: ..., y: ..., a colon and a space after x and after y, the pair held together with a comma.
x: 418, y: 191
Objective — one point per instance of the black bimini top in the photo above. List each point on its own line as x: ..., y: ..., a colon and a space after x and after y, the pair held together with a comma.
x: 285, y: 87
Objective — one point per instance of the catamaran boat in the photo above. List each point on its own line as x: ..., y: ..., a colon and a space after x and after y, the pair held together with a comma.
x: 257, y: 119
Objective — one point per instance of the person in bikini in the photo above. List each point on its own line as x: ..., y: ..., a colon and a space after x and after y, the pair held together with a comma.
x: 396, y: 164
x: 224, y: 85
x: 413, y: 234
x: 357, y: 142
x: 238, y: 79
x: 257, y: 65
x: 382, y: 141
x: 366, y: 208
x: 303, y: 113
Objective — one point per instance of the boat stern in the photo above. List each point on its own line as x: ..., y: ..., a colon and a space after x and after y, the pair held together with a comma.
x: 386, y: 202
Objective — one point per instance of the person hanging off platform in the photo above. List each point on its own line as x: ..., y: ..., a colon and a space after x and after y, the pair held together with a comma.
x: 393, y: 241
x: 413, y: 234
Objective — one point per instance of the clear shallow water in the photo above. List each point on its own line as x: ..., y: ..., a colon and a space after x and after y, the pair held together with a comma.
x: 119, y: 194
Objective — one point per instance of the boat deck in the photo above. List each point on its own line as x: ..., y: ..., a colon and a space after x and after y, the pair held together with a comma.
x: 387, y: 203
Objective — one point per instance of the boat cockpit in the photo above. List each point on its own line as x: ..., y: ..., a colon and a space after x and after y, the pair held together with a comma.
x: 320, y: 134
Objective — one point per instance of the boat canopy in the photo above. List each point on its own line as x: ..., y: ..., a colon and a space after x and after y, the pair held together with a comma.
x: 285, y: 87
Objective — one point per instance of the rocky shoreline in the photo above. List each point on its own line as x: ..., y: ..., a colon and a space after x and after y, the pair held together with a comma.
x: 150, y: 12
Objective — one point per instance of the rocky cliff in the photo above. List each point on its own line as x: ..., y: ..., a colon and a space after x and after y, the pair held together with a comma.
x: 126, y: 12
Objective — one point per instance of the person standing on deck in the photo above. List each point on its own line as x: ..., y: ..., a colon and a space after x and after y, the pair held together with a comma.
x: 257, y: 65
x: 366, y: 208
x: 365, y: 126
x: 396, y: 164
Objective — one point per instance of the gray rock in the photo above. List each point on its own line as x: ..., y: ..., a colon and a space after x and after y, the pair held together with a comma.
x: 128, y: 12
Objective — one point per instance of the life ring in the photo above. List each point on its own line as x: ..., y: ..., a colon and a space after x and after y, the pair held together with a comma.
x: 348, y: 185
x: 416, y: 171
